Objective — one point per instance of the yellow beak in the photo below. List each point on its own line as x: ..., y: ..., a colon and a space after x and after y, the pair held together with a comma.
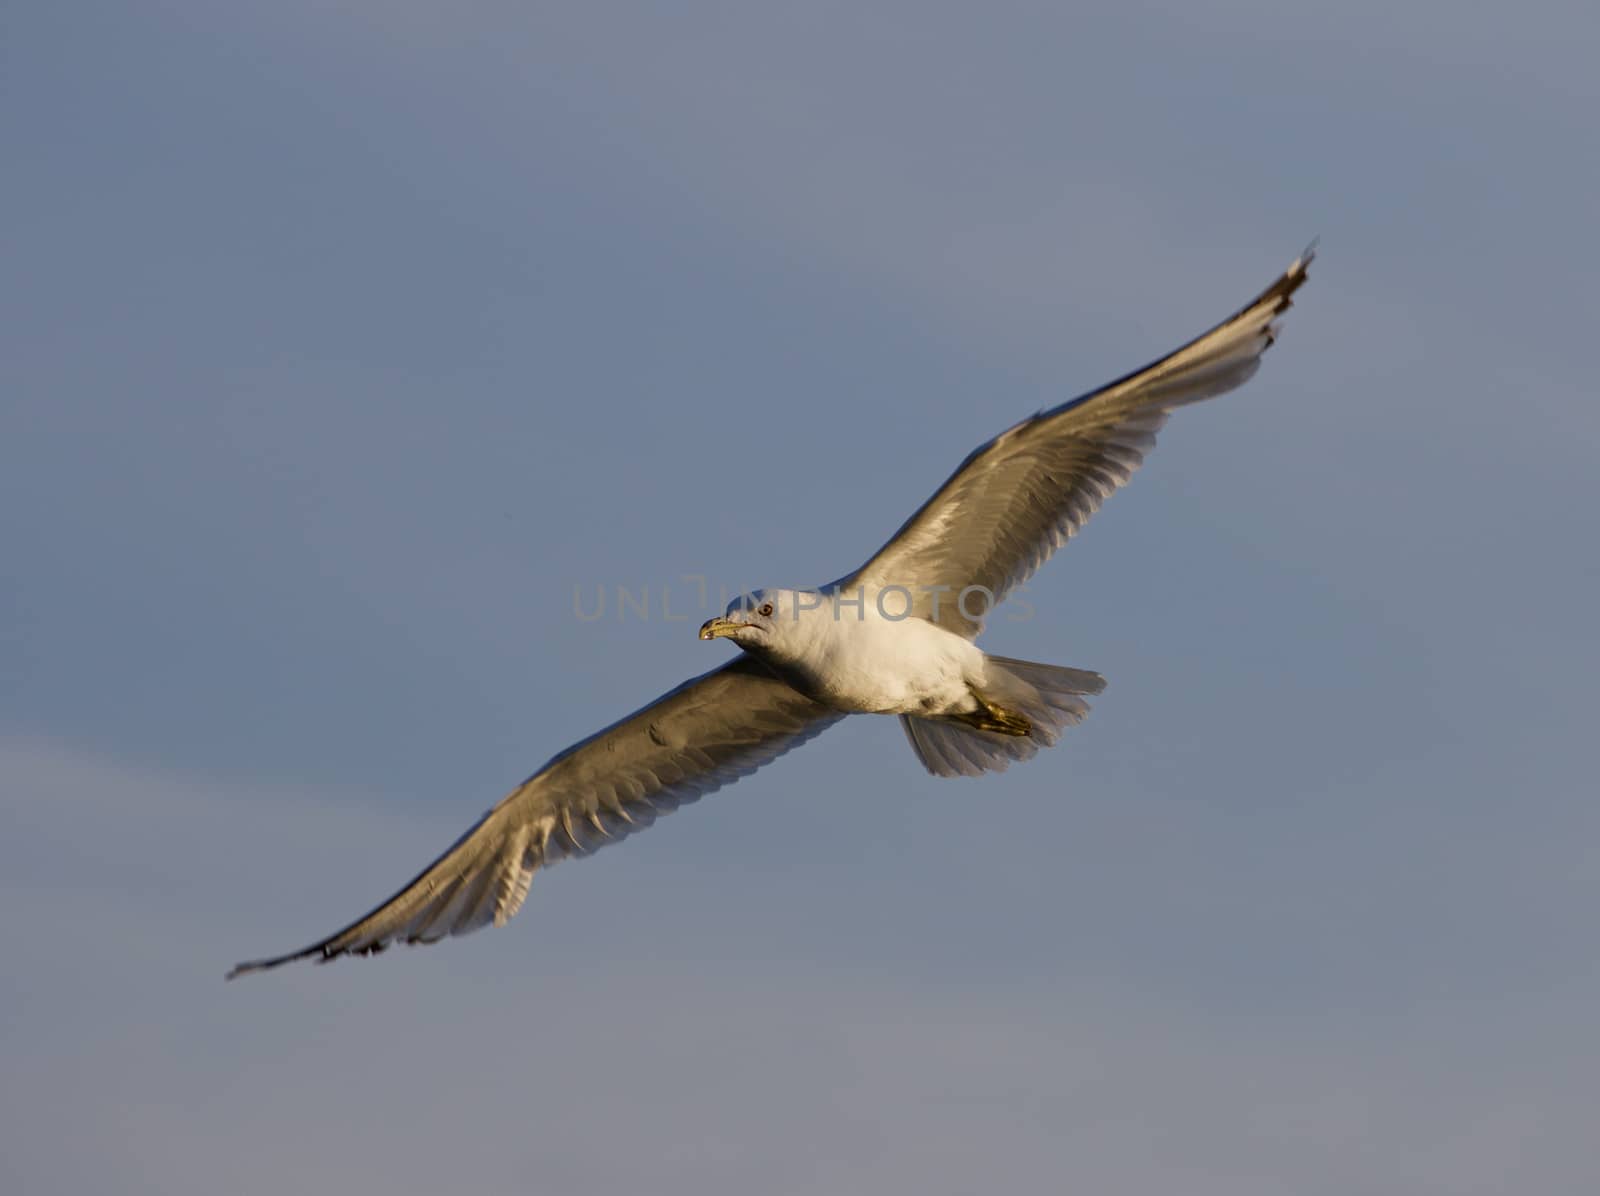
x: 717, y: 628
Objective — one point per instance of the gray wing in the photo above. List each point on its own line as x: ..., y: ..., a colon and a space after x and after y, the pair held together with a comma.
x: 1023, y: 495
x: 707, y: 733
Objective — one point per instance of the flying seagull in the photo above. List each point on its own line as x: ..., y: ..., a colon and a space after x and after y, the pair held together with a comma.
x: 896, y: 636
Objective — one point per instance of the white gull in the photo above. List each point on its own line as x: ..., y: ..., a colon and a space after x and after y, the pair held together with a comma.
x: 894, y: 637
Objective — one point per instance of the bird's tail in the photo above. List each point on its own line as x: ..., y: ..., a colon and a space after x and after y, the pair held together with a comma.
x: 1047, y: 695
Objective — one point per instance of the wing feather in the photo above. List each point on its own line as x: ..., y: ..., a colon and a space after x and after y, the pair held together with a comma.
x: 706, y: 733
x: 1024, y: 494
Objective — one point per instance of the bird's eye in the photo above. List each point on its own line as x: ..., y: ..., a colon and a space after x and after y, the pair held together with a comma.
x: 766, y: 610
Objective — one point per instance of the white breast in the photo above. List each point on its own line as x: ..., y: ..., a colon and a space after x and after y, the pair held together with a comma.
x: 858, y: 659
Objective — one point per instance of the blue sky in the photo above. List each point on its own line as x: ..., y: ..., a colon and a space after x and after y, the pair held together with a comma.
x: 341, y: 342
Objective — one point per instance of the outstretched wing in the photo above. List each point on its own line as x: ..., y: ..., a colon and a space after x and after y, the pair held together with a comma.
x: 707, y: 733
x: 1023, y: 495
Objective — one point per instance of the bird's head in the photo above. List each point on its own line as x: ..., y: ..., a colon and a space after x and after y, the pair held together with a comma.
x: 761, y: 621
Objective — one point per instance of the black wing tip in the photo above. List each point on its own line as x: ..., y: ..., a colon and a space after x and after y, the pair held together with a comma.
x: 321, y: 953
x: 1280, y: 293
x: 251, y: 966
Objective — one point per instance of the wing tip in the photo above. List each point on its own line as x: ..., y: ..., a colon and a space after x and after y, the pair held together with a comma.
x: 1280, y: 294
x: 321, y: 953
x: 250, y: 966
